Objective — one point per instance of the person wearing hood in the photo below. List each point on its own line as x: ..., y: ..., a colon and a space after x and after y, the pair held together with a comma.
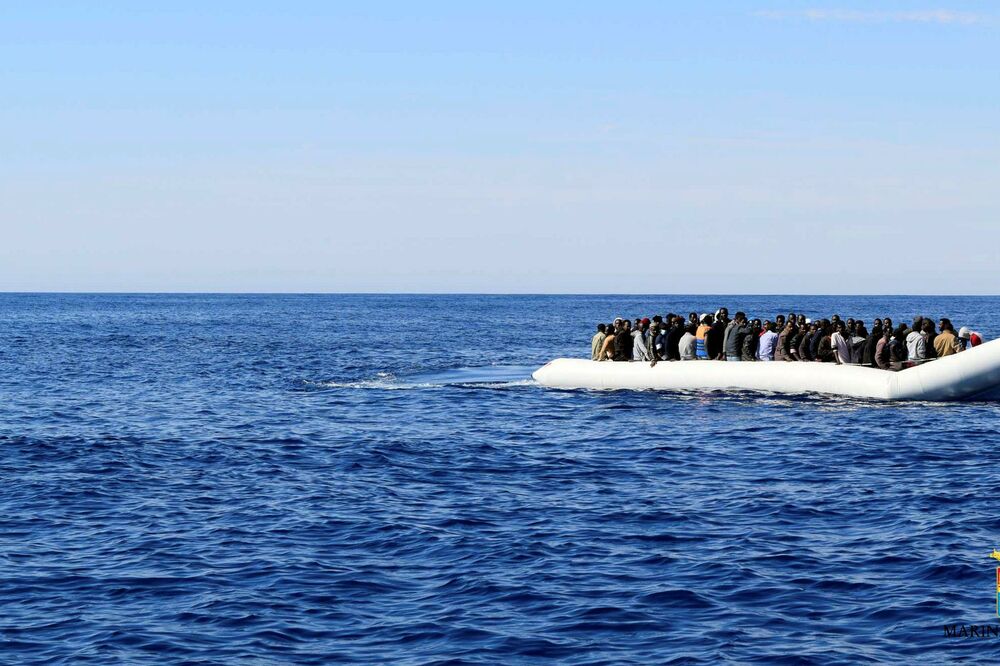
x: 916, y: 343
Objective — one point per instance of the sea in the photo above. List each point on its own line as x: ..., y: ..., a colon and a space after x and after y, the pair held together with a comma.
x: 375, y: 479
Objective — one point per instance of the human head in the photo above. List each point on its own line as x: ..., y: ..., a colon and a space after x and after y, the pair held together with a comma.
x: 802, y: 320
x: 779, y: 321
x: 917, y: 322
x: 927, y: 326
x: 600, y: 328
x: 691, y: 328
x: 723, y: 313
x: 741, y: 317
x: 964, y: 333
x: 693, y: 317
x: 644, y: 324
x: 945, y: 325
x: 707, y: 320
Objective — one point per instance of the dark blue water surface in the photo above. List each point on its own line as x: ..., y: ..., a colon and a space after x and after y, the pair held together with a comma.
x: 375, y: 479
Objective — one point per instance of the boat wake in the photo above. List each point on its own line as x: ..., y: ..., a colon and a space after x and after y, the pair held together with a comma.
x: 492, y: 377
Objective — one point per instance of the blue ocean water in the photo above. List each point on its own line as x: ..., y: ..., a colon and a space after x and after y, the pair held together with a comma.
x: 375, y: 479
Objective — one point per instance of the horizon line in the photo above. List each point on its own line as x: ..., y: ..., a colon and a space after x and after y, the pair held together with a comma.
x: 469, y: 293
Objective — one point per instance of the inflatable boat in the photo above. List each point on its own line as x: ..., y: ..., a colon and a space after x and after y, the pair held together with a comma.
x: 970, y: 375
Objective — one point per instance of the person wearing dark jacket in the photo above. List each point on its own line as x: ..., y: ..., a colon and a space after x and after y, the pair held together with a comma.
x: 751, y: 341
x: 737, y: 332
x: 871, y: 342
x: 820, y: 331
x: 897, y: 346
x: 805, y: 344
x: 824, y: 351
x: 624, y: 342
x: 929, y: 332
x: 714, y: 337
x: 673, y: 339
x: 794, y: 342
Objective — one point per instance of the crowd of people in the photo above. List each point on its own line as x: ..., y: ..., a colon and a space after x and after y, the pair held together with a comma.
x: 794, y: 338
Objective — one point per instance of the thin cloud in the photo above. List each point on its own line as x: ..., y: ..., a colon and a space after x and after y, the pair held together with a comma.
x: 938, y: 16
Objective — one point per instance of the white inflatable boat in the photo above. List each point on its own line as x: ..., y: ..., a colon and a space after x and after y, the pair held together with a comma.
x: 970, y: 375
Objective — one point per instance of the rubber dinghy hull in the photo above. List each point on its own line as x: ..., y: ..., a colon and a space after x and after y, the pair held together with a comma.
x: 971, y: 375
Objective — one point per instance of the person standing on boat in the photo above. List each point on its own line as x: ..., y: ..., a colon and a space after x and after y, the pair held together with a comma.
x: 688, y: 346
x: 767, y: 342
x: 597, y: 343
x: 640, y: 342
x: 731, y: 348
x: 824, y: 350
x: 840, y: 344
x: 701, y: 335
x: 715, y: 338
x: 783, y: 352
x: 673, y: 338
x: 608, y: 349
x: 623, y: 341
x: 868, y: 355
x: 751, y: 341
x: 795, y: 341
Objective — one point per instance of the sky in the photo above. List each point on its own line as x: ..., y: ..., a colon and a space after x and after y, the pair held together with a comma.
x: 501, y: 147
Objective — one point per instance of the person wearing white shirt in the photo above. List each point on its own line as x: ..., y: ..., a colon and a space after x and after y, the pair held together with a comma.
x: 841, y: 343
x: 689, y: 344
x: 916, y: 346
x: 766, y: 344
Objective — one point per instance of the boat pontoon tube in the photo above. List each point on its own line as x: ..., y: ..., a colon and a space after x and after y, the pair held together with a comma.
x: 969, y: 375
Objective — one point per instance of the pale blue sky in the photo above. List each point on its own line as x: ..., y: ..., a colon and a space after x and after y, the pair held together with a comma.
x: 651, y: 147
